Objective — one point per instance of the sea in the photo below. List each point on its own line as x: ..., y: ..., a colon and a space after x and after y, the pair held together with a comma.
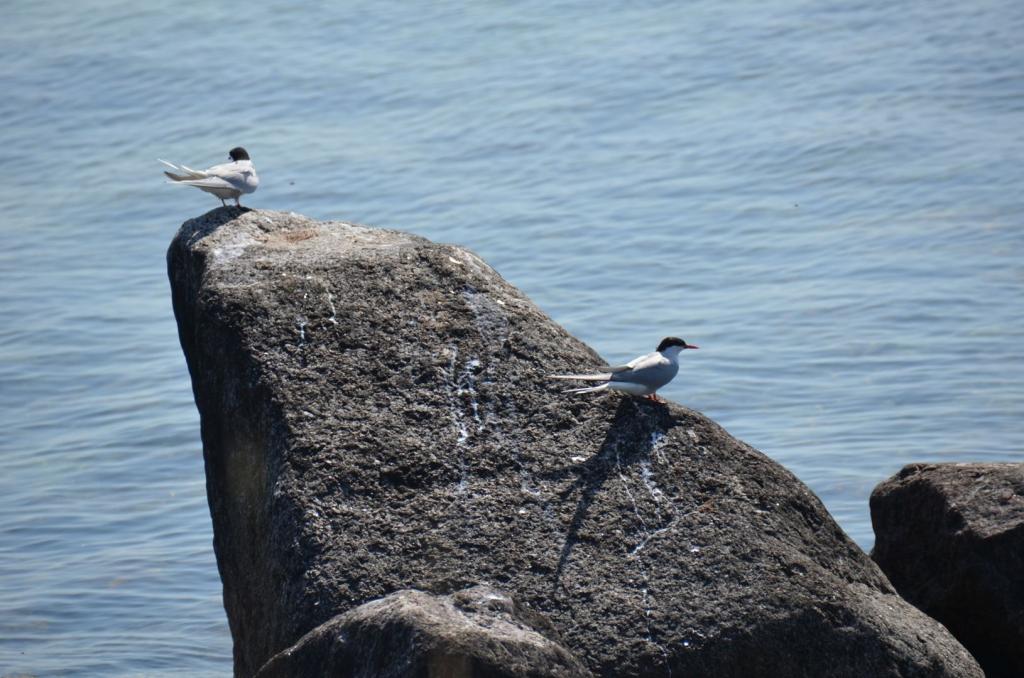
x: 826, y: 196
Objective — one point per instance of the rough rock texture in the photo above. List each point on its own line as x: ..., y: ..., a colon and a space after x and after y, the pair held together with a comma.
x: 375, y: 417
x: 951, y: 539
x: 474, y: 633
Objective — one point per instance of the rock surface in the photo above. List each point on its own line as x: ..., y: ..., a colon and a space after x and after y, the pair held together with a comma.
x: 375, y: 417
x: 475, y: 633
x: 951, y: 539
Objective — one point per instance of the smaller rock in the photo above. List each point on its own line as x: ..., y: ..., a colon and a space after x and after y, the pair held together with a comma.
x: 950, y: 537
x: 475, y: 633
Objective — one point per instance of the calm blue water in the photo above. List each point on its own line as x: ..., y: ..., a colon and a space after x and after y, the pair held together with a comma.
x: 825, y: 196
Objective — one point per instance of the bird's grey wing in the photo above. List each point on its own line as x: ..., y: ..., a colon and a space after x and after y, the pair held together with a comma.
x: 614, y: 369
x: 210, y: 182
x: 241, y: 175
x: 644, y: 360
x: 653, y: 370
x: 229, y: 175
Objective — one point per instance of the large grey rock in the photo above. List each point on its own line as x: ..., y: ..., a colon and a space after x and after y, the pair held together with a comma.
x: 375, y: 417
x: 476, y: 633
x: 951, y: 539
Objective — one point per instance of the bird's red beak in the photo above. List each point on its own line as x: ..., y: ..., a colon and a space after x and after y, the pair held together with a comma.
x: 691, y: 346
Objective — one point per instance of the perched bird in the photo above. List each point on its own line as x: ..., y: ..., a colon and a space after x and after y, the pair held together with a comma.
x: 229, y: 180
x: 641, y: 376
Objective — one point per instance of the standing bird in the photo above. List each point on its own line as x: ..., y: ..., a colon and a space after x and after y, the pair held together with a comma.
x: 229, y: 180
x: 641, y: 376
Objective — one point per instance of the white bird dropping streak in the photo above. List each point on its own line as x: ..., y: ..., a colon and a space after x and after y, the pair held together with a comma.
x: 641, y: 376
x: 230, y: 180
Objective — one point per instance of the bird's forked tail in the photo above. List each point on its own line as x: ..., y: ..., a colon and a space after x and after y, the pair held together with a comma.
x: 188, y: 173
x: 587, y: 389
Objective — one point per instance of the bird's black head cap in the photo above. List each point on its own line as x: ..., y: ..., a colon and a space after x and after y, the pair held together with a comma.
x: 238, y: 153
x: 673, y: 341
